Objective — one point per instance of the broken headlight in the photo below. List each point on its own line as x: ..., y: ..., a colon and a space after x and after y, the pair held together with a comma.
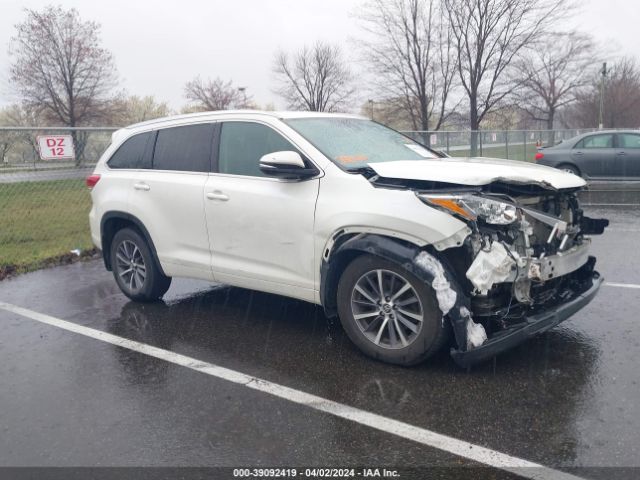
x: 471, y: 207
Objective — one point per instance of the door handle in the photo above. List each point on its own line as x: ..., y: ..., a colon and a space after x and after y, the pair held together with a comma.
x: 141, y: 186
x: 622, y: 153
x: 217, y: 196
x: 577, y: 153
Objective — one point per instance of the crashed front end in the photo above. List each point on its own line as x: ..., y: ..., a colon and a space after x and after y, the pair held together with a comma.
x: 522, y: 267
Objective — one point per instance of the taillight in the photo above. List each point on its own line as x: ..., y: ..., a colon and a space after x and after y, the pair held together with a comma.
x: 539, y: 156
x: 92, y: 180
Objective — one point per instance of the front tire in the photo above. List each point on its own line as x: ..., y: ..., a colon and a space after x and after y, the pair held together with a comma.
x: 134, y: 268
x: 389, y: 313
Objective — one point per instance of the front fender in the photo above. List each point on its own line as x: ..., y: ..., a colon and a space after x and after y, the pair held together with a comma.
x: 453, y: 302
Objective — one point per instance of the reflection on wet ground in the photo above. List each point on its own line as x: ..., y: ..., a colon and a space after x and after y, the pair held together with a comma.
x: 525, y: 397
x: 567, y: 398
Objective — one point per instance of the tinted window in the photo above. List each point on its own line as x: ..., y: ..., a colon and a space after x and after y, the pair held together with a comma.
x: 185, y: 148
x: 596, y: 141
x: 628, y: 140
x: 131, y: 153
x: 242, y: 144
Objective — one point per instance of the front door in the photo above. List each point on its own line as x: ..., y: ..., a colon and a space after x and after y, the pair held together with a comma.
x: 261, y: 228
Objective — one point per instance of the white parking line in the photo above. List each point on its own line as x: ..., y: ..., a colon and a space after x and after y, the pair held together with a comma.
x: 622, y: 285
x: 423, y: 436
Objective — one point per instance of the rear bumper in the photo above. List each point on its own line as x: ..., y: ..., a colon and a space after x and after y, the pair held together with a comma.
x: 534, y: 325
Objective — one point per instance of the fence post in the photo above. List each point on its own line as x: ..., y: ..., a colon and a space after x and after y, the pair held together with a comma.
x: 480, y: 135
x: 506, y: 143
x: 524, y: 136
x: 447, y: 143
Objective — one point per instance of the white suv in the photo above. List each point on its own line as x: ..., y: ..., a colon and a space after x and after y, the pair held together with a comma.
x: 404, y: 244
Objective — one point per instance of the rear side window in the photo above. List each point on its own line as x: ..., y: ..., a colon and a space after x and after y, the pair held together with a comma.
x: 596, y: 141
x: 186, y: 148
x: 131, y: 153
x: 242, y: 144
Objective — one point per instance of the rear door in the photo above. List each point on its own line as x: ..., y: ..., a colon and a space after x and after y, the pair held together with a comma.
x: 168, y: 199
x: 134, y: 154
x: 261, y: 228
x: 628, y: 154
x: 595, y: 155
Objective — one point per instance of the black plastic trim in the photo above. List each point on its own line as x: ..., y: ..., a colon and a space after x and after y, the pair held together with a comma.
x: 106, y: 252
x: 534, y: 325
x: 215, y: 149
x: 404, y: 255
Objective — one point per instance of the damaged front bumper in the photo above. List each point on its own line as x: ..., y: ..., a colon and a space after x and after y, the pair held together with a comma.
x: 536, y: 322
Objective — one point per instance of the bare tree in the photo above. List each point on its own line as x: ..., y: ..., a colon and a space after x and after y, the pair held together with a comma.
x: 552, y: 74
x: 8, y: 139
x: 411, y: 53
x: 488, y: 36
x: 214, y: 94
x: 133, y: 109
x: 621, y: 98
x: 316, y: 78
x: 60, y: 67
x: 26, y: 115
x: 389, y: 111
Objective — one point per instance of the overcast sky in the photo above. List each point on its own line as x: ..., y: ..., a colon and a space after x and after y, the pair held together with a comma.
x: 159, y: 45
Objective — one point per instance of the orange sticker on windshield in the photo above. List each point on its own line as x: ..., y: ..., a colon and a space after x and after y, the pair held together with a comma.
x: 352, y: 158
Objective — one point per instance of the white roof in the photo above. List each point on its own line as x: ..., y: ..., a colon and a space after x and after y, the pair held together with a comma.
x: 240, y: 114
x: 175, y: 120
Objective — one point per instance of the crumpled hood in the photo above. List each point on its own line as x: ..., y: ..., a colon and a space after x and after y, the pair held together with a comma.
x: 477, y: 171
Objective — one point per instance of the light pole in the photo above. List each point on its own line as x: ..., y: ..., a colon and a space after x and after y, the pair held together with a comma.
x: 603, y: 72
x: 243, y: 90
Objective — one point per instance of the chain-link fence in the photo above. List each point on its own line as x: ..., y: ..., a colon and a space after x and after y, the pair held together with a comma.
x: 44, y: 204
x: 511, y: 144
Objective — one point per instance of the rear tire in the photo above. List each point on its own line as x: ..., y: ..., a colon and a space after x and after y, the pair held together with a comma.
x: 567, y: 167
x: 403, y: 325
x: 136, y: 272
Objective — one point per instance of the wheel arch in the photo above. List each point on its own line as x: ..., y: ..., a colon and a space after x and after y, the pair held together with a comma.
x: 112, y: 222
x: 571, y: 164
x: 348, y: 244
x: 421, y: 261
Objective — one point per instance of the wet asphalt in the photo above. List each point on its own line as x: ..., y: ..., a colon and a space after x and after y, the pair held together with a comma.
x: 568, y: 399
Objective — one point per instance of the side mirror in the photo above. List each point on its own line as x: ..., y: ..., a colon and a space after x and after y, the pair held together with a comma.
x: 286, y: 164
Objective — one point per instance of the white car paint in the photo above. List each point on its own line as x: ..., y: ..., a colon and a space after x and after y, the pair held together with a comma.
x: 270, y: 234
x: 478, y: 171
x: 170, y: 205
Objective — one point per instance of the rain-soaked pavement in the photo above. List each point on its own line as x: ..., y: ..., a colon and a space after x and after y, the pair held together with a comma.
x: 569, y: 398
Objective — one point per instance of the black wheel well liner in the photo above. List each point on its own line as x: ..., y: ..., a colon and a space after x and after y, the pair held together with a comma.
x: 111, y: 223
x: 404, y: 254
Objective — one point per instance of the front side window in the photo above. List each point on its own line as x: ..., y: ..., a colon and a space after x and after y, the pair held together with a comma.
x: 186, y: 148
x: 131, y: 153
x: 353, y: 142
x: 628, y: 140
x: 242, y: 144
x: 596, y: 141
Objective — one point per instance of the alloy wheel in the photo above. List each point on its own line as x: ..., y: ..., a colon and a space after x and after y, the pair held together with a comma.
x: 130, y: 265
x: 387, y: 309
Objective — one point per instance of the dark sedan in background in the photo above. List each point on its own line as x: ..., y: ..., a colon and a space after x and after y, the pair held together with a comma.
x: 604, y: 154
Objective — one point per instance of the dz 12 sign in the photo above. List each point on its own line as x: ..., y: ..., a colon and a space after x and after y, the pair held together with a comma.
x: 53, y: 147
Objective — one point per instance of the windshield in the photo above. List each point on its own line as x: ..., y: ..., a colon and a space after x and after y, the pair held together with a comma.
x: 353, y: 142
